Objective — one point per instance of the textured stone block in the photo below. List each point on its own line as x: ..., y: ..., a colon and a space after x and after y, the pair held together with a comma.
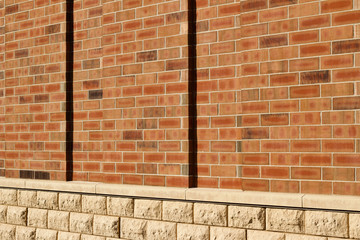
x: 211, y: 214
x: 177, y: 211
x: 120, y: 206
x: 192, y: 232
x: 264, y: 235
x: 8, y: 196
x: 70, y: 202
x: 47, y: 200
x: 91, y: 237
x: 58, y: 220
x: 7, y: 231
x: 27, y: 198
x: 285, y: 220
x: 37, y: 217
x: 3, y: 212
x: 25, y: 233
x: 224, y: 233
x: 354, y: 225
x: 133, y: 228
x: 150, y: 209
x: 68, y: 236
x: 302, y: 237
x: 94, y: 204
x: 16, y: 215
x: 81, y: 223
x: 106, y: 226
x: 45, y: 234
x: 157, y: 230
x: 246, y: 217
x: 332, y: 224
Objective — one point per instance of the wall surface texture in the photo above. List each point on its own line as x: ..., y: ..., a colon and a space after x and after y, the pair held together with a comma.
x: 254, y: 95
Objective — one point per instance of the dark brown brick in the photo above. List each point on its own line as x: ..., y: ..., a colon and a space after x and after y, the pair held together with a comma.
x: 315, y: 77
x: 12, y: 9
x: 21, y: 53
x: 146, y: 56
x: 146, y: 123
x: 25, y: 99
x: 93, y: 63
x: 132, y: 135
x: 273, y: 41
x: 27, y: 174
x: 346, y: 46
x: 42, y: 98
x: 96, y: 94
x: 276, y: 3
x: 147, y: 146
x: 344, y: 103
x: 52, y: 29
x: 42, y: 175
x: 255, y: 133
x: 176, y: 17
x: 252, y: 5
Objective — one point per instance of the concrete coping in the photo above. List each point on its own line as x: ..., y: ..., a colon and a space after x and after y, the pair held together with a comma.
x: 331, y: 202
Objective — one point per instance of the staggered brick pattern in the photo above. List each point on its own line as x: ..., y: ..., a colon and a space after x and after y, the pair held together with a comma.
x: 277, y: 93
x: 31, y: 214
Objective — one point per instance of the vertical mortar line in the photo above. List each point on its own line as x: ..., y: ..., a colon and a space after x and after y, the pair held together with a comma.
x: 69, y: 88
x: 192, y: 93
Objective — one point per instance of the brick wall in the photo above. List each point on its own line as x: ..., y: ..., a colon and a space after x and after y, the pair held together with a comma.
x: 276, y: 93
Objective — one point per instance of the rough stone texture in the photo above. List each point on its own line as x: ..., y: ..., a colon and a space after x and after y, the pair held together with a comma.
x: 264, y: 235
x: 47, y: 200
x: 211, y: 214
x: 68, y: 236
x: 302, y: 237
x: 45, y: 234
x: 354, y: 225
x: 27, y: 198
x: 3, y: 211
x: 70, y: 202
x: 150, y: 209
x: 157, y: 230
x: 8, y: 196
x: 16, y: 215
x: 246, y: 217
x: 94, y: 204
x: 7, y: 231
x: 81, y: 222
x: 223, y: 233
x: 120, y: 206
x: 192, y: 232
x: 25, y: 233
x: 133, y: 228
x: 106, y: 226
x: 37, y: 217
x: 177, y: 211
x: 91, y: 237
x: 58, y: 220
x: 285, y: 220
x: 326, y: 223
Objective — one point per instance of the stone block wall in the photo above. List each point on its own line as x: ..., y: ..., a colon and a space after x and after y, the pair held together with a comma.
x: 49, y: 215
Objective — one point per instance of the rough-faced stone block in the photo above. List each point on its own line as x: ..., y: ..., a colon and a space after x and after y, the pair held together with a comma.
x: 302, y: 237
x: 120, y: 206
x: 37, y: 217
x: 70, y: 202
x: 16, y: 215
x: 106, y: 226
x: 192, y: 232
x: 94, y: 204
x: 354, y: 225
x: 264, y: 235
x: 285, y: 220
x: 8, y: 196
x: 211, y: 214
x: 47, y: 200
x: 224, y: 233
x: 25, y: 233
x: 246, y: 217
x: 81, y: 223
x: 91, y: 237
x: 133, y: 228
x: 45, y: 234
x: 150, y: 209
x: 58, y: 220
x: 332, y: 224
x: 7, y: 231
x: 157, y: 230
x: 3, y: 212
x: 27, y: 198
x: 68, y: 236
x: 177, y: 211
